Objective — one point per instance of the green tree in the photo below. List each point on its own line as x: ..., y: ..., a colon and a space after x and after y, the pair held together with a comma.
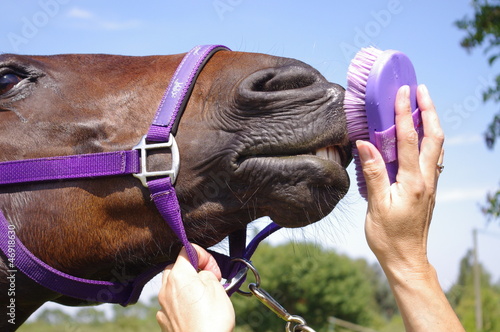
x: 90, y: 316
x: 462, y: 298
x: 136, y: 318
x: 311, y: 283
x: 483, y: 30
x: 54, y: 316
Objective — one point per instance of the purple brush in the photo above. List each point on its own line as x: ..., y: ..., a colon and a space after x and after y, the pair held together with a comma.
x: 373, y: 79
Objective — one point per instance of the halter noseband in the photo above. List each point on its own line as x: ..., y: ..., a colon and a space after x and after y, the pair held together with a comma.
x: 159, y: 183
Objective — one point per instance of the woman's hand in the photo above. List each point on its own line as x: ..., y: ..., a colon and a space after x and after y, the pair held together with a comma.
x: 194, y: 301
x: 399, y: 216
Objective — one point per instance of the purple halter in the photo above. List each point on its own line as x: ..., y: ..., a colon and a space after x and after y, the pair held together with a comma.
x: 115, y: 163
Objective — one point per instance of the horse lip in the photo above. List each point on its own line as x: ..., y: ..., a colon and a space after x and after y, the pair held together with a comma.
x: 338, y: 154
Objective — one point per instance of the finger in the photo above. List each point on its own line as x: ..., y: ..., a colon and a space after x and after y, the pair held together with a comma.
x: 162, y: 320
x: 208, y: 278
x: 183, y: 265
x: 374, y: 171
x: 432, y: 142
x: 206, y: 262
x: 441, y: 157
x: 407, y: 137
x: 166, y: 272
x: 439, y: 166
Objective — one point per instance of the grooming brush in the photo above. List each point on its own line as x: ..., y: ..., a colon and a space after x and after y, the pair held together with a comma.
x: 373, y: 79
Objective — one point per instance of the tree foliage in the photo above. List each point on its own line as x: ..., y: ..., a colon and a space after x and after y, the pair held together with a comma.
x: 462, y: 297
x: 483, y: 31
x: 140, y: 317
x: 315, y: 284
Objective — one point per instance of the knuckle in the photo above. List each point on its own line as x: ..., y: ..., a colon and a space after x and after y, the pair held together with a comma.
x: 372, y: 172
x: 174, y: 279
x: 162, y: 295
x: 419, y: 189
x: 161, y: 318
x: 411, y: 137
x: 439, y: 135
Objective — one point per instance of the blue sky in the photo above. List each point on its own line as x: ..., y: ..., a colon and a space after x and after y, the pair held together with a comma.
x: 324, y: 34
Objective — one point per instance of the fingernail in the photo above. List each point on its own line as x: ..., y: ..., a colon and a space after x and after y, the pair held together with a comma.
x: 423, y: 89
x: 364, y: 152
x: 406, y: 91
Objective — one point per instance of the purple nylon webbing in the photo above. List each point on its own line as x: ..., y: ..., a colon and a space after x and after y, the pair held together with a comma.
x: 69, y: 167
x: 170, y: 108
x: 241, y: 250
x: 178, y: 89
x: 21, y: 259
x: 385, y: 140
x: 165, y: 199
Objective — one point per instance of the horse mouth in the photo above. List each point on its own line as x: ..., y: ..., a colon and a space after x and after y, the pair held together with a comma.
x: 298, y: 188
x: 335, y: 154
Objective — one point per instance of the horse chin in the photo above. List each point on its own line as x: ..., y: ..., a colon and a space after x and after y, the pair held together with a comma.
x: 296, y: 190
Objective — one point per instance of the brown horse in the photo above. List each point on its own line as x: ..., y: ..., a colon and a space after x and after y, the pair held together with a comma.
x: 260, y: 136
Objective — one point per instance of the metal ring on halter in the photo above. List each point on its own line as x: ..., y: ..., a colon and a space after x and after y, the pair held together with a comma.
x: 249, y: 266
x: 236, y: 280
x: 440, y: 167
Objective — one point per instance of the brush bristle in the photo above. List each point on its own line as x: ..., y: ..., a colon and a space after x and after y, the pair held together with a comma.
x: 354, y: 105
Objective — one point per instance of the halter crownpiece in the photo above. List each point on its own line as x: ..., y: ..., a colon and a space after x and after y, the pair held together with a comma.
x: 160, y: 184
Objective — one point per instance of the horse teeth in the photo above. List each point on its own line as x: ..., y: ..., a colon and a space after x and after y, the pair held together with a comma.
x: 329, y: 153
x: 322, y: 153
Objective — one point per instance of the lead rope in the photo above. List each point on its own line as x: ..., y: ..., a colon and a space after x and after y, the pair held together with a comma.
x: 294, y: 323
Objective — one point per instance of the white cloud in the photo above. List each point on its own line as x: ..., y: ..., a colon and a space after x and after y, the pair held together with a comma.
x: 85, y: 19
x: 461, y: 140
x: 76, y: 12
x: 461, y: 194
x: 119, y: 25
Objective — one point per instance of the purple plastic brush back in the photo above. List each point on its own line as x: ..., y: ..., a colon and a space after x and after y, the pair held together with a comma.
x: 373, y: 79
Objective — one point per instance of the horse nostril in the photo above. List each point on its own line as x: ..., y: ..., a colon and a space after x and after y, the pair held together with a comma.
x: 276, y: 87
x: 283, y: 78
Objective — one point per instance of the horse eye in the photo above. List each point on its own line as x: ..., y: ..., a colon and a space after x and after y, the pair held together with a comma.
x: 8, y: 82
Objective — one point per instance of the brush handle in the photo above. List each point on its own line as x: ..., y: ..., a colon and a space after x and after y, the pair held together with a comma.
x: 386, y: 140
x: 391, y: 70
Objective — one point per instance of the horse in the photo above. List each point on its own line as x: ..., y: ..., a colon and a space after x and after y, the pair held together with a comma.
x: 261, y: 135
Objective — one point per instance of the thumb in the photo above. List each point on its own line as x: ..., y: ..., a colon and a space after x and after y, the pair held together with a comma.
x: 183, y: 265
x: 206, y: 262
x: 374, y: 171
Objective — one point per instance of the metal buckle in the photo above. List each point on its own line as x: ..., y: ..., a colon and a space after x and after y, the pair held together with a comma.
x: 144, y: 173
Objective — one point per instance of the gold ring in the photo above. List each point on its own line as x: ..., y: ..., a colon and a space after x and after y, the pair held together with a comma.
x: 440, y: 167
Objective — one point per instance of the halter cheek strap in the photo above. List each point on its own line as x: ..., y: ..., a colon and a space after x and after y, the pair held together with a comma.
x: 166, y: 119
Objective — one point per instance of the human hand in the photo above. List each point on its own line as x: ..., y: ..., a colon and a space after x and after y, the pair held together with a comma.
x: 399, y: 215
x: 194, y: 301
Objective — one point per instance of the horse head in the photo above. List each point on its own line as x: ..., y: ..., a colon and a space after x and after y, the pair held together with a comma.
x: 260, y: 136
